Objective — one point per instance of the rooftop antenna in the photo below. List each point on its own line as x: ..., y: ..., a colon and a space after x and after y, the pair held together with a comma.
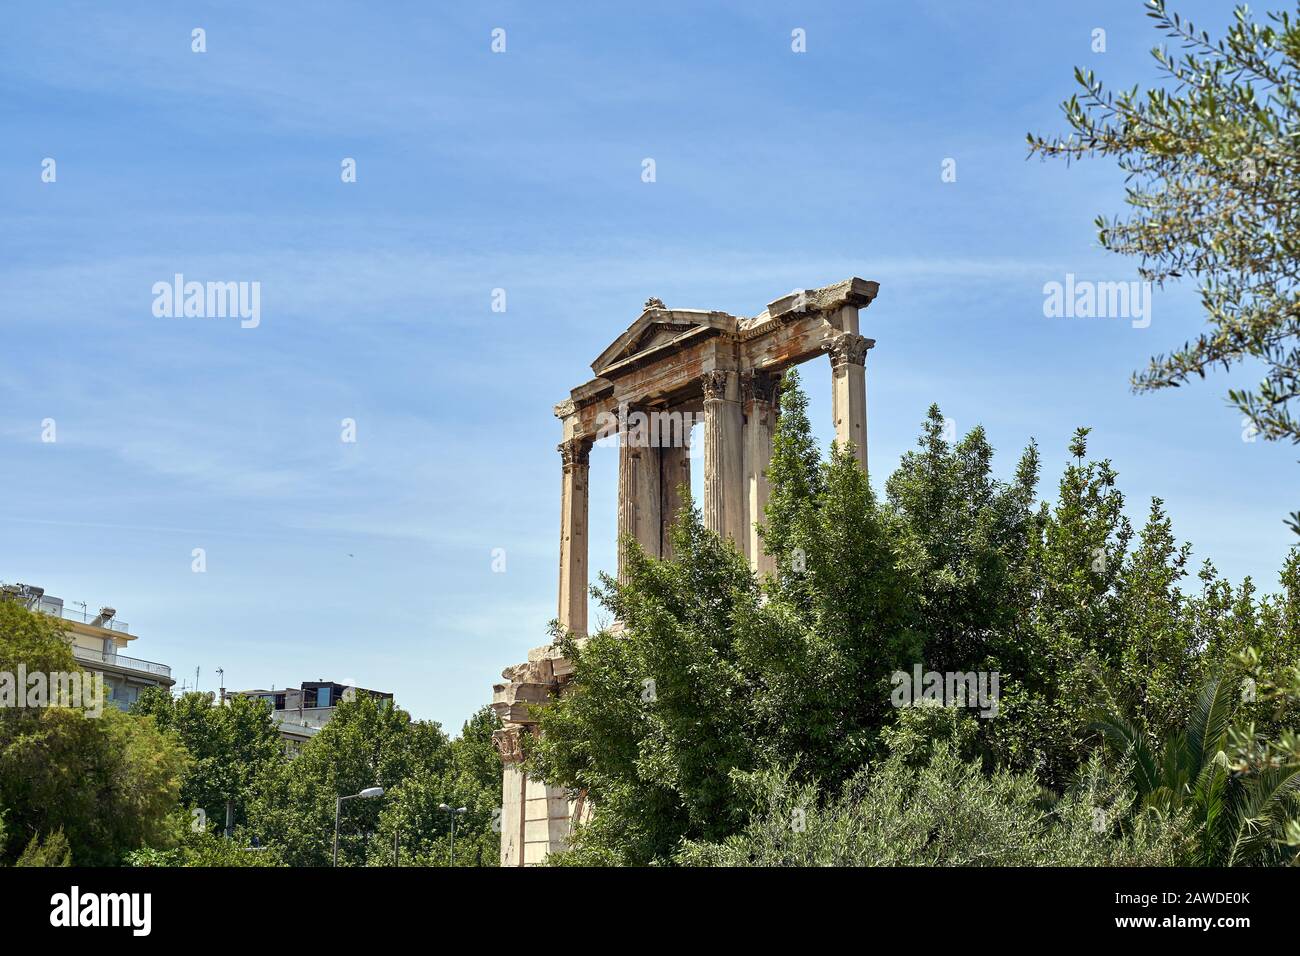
x: 196, y: 678
x: 221, y: 679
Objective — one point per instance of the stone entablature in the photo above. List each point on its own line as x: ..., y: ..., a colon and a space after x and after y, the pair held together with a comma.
x: 726, y: 368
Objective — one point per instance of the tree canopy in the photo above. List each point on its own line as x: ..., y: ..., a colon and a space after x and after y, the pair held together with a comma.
x: 717, y: 680
x: 73, y: 785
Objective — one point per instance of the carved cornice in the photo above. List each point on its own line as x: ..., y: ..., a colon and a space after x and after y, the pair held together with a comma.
x: 565, y: 408
x: 855, y: 292
x: 574, y: 453
x: 848, y: 349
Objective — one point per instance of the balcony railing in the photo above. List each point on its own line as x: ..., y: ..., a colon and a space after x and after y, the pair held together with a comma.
x: 82, y: 616
x: 121, y: 660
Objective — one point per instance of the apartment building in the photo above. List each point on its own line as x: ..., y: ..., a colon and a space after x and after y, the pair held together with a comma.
x: 99, y: 641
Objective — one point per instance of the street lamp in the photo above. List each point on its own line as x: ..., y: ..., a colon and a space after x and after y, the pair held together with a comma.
x: 458, y: 812
x: 368, y: 793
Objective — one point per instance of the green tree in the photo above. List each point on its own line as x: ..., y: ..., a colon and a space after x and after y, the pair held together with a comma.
x: 964, y: 538
x: 658, y: 714
x: 52, y: 850
x: 367, y: 743
x: 107, y: 783
x: 469, y: 778
x: 1212, y: 162
x: 232, y: 746
x: 715, y: 676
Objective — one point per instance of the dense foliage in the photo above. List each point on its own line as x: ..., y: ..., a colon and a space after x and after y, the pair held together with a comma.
x: 371, y: 743
x: 942, y: 811
x: 232, y: 748
x: 151, y: 787
x: 73, y: 785
x: 717, y: 678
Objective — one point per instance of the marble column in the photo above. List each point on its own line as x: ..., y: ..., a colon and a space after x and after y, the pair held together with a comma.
x: 639, y: 494
x: 675, y: 472
x: 514, y: 794
x: 848, y: 354
x: 759, y: 403
x: 575, y: 454
x: 723, y: 479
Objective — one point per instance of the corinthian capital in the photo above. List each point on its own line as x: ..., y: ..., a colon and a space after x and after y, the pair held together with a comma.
x: 506, y: 741
x: 715, y: 384
x: 574, y: 452
x: 847, y: 348
x: 759, y: 386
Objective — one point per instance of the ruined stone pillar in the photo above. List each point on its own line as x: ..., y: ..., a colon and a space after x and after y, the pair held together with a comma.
x: 723, y: 456
x: 575, y: 455
x: 759, y: 402
x: 514, y: 794
x: 639, y: 494
x: 848, y: 354
x: 536, y: 819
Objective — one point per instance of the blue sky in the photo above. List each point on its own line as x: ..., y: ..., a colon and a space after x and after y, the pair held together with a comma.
x: 371, y: 561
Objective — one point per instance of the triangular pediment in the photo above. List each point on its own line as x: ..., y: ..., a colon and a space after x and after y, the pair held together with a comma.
x: 657, y: 328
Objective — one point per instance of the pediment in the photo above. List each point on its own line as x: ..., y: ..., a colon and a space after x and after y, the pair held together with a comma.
x: 658, y: 327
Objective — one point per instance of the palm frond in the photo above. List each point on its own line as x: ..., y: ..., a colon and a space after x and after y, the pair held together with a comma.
x: 1267, y: 804
x: 1213, y: 808
x: 1209, y: 721
x: 1128, y: 740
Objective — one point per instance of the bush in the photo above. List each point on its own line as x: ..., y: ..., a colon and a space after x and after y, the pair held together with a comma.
x: 946, y: 812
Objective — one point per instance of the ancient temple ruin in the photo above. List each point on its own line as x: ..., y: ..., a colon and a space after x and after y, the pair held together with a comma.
x: 670, y: 366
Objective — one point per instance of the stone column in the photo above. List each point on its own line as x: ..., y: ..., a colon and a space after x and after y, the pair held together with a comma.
x: 675, y: 471
x: 639, y: 495
x: 514, y: 794
x: 759, y: 393
x: 575, y: 455
x: 723, y: 481
x: 848, y: 354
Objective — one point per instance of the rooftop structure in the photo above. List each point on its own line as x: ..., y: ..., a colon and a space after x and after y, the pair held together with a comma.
x: 98, y: 640
x: 300, y: 712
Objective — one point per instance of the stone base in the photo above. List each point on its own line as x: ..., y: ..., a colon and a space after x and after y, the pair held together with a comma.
x: 536, y: 819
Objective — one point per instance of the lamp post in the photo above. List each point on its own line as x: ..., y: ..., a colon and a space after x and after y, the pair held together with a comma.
x: 368, y: 793
x: 458, y: 812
